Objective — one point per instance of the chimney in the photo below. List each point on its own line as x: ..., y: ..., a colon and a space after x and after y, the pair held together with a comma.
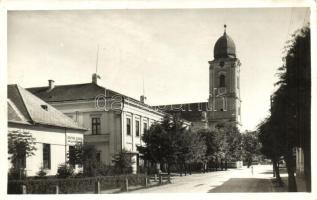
x: 142, y: 98
x: 51, y: 84
x: 95, y: 78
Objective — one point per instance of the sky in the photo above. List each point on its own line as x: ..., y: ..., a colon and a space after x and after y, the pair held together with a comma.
x: 166, y: 49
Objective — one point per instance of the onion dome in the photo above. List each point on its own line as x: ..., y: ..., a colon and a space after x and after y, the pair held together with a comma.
x: 224, y: 47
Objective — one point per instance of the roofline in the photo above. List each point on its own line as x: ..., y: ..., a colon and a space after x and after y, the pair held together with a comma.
x: 19, y: 122
x: 26, y: 108
x: 46, y: 125
x: 180, y: 104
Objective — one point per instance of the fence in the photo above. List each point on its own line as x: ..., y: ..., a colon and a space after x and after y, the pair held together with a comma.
x: 83, y: 185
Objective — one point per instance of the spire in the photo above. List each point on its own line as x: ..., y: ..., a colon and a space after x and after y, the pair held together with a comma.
x: 225, y: 27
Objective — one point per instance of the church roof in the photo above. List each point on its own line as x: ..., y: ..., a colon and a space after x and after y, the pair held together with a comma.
x: 192, y: 112
x: 26, y: 108
x: 224, y: 47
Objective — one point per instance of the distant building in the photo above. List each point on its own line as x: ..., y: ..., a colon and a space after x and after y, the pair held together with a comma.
x: 114, y: 121
x: 224, y: 102
x: 55, y: 134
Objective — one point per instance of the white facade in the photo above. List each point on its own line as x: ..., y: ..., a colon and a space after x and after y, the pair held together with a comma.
x: 113, y: 135
x: 58, y: 140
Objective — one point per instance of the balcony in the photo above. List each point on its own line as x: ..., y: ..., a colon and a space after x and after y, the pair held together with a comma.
x: 97, y: 138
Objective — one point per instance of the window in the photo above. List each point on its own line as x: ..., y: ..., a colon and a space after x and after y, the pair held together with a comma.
x: 71, y: 154
x: 95, y: 125
x: 98, y: 156
x: 46, y: 156
x: 128, y: 126
x: 137, y: 128
x: 144, y: 127
x: 222, y: 80
x: 238, y: 82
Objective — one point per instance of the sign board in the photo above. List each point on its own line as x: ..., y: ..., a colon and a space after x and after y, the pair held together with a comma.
x: 72, y: 139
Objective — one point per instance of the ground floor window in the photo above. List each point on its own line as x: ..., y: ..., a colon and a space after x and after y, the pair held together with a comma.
x: 72, y: 159
x: 98, y: 156
x: 46, y: 156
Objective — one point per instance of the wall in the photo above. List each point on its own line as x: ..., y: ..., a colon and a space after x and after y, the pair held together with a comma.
x: 113, y: 135
x: 48, y: 135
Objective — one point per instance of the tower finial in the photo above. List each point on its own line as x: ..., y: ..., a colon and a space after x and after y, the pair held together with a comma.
x: 225, y: 26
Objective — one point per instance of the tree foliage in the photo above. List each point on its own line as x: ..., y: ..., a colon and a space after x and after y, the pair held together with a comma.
x: 288, y: 126
x: 170, y: 142
x: 21, y: 145
x: 251, y: 147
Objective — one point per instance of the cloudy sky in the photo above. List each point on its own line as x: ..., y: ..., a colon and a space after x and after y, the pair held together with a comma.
x: 170, y: 48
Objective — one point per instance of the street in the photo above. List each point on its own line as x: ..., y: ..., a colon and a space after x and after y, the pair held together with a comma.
x: 233, y: 180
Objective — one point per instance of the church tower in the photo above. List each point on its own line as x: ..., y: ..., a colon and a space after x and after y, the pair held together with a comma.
x: 224, y: 83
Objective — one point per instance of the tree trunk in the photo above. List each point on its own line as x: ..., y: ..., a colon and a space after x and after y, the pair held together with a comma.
x: 168, y: 169
x: 277, y: 172
x: 292, y: 187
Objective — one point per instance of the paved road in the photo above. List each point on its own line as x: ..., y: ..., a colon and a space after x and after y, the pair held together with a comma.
x: 233, y: 180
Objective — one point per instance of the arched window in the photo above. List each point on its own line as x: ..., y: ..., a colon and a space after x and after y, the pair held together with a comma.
x: 222, y: 80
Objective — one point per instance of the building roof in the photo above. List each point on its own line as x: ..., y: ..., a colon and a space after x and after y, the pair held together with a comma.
x: 225, y: 47
x: 74, y: 92
x: 26, y: 108
x: 188, y: 111
x: 68, y: 92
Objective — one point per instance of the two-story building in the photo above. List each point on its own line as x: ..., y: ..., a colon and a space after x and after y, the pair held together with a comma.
x: 114, y: 121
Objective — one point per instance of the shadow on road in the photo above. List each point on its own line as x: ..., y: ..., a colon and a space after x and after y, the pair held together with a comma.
x: 244, y: 185
x: 282, y: 171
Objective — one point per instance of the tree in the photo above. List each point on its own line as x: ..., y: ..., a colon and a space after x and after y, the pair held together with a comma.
x: 86, y: 155
x: 290, y: 110
x: 160, y: 142
x: 289, y: 123
x: 250, y: 144
x: 21, y: 145
x: 171, y: 143
x: 123, y: 162
x: 271, y: 147
x: 190, y: 149
x: 229, y: 139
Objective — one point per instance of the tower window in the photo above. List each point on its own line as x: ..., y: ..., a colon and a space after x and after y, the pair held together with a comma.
x: 238, y: 82
x: 222, y: 80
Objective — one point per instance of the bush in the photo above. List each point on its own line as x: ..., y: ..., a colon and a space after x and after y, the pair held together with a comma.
x: 72, y: 185
x: 42, y: 173
x: 64, y: 171
x: 16, y: 174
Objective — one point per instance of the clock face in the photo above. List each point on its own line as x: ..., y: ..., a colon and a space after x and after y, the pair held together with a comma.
x: 222, y: 91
